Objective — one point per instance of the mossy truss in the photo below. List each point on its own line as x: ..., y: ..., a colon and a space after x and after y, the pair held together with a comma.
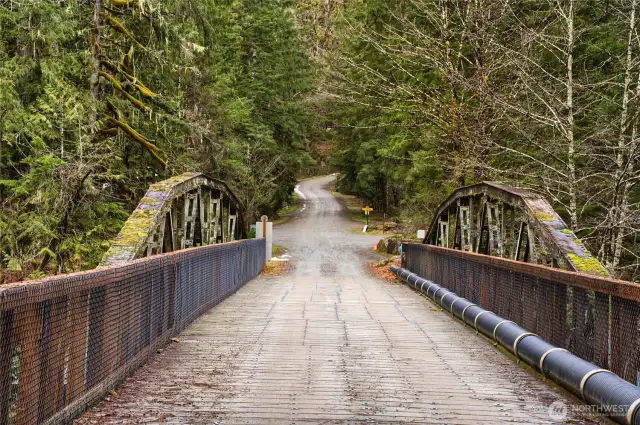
x: 498, y: 220
x: 183, y: 211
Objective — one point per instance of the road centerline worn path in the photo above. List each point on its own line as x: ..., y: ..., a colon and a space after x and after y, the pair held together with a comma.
x: 327, y: 344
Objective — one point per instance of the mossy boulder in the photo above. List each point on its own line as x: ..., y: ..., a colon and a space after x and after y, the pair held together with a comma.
x: 390, y: 225
x: 393, y: 246
x: 382, y: 245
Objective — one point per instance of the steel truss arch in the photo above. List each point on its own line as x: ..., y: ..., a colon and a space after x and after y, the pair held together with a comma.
x: 189, y: 210
x: 495, y: 219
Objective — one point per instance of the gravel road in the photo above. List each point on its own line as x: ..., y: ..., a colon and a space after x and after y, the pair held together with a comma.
x: 320, y: 238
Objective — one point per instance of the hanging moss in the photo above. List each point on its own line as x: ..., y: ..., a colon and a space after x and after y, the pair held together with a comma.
x: 115, y: 24
x: 153, y: 149
x: 127, y: 61
x: 121, y: 3
x: 118, y: 86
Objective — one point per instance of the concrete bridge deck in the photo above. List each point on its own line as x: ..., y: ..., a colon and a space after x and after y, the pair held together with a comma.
x: 328, y: 344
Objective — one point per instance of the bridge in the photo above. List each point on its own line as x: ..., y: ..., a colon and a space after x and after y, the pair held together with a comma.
x: 181, y: 327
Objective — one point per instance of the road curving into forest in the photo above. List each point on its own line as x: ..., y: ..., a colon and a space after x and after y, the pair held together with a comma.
x: 321, y: 237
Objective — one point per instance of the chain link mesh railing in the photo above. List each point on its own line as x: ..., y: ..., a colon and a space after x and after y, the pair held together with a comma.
x: 66, y: 341
x: 596, y: 318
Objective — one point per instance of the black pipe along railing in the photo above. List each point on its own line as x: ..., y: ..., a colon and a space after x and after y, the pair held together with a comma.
x: 558, y: 311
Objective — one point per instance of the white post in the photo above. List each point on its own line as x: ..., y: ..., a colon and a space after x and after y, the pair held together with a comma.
x: 264, y: 229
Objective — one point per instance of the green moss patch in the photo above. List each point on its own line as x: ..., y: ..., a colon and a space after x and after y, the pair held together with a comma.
x: 280, y: 220
x: 149, y: 201
x: 588, y: 265
x: 544, y: 216
x: 137, y: 228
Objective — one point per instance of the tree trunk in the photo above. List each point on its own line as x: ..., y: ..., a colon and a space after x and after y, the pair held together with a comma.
x: 571, y: 164
x: 328, y: 6
x: 620, y: 205
x: 94, y: 82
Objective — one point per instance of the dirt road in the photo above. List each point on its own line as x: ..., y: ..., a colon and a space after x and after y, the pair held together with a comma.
x: 320, y: 237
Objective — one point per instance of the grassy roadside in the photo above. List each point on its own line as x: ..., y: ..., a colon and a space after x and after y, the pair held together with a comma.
x: 395, y: 228
x: 291, y: 207
x: 376, y: 219
x: 284, y: 214
x: 280, y: 220
x: 278, y: 250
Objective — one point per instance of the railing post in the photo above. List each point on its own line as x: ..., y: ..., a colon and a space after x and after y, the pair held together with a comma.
x: 531, y: 312
x: 111, y: 343
x: 560, y: 327
x: 6, y: 334
x: 580, y: 343
x: 53, y: 359
x: 601, y: 331
x: 78, y: 339
x: 170, y: 277
x: 29, y: 333
x: 96, y: 337
x: 264, y: 229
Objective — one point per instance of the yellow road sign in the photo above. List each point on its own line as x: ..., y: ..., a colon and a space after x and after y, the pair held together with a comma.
x: 367, y: 210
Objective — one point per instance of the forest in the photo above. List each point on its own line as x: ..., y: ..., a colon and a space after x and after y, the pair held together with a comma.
x: 410, y: 98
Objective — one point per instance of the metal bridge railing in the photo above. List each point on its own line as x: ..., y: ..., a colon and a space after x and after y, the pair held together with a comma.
x: 596, y: 318
x: 66, y: 341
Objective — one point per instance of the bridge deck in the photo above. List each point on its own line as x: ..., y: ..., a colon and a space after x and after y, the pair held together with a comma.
x: 329, y: 344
